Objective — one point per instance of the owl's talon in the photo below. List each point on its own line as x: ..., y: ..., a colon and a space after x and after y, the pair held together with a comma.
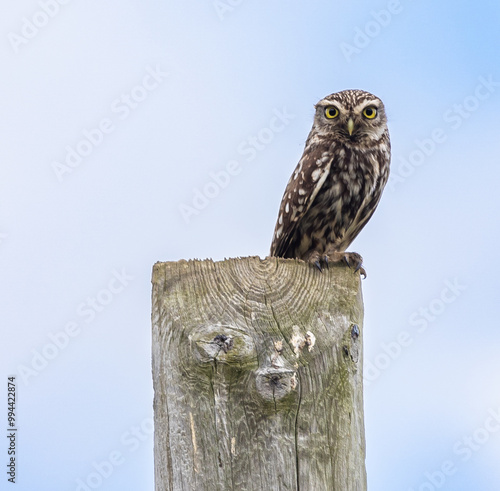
x: 318, y: 265
x: 351, y: 259
x: 355, y: 261
x: 325, y: 260
x: 361, y: 270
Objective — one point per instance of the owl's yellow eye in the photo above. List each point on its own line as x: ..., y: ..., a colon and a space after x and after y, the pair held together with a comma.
x: 331, y: 112
x: 370, y: 112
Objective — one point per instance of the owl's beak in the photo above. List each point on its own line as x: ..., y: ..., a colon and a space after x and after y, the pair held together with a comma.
x: 350, y: 126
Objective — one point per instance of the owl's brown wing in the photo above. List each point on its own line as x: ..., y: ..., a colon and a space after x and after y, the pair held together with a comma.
x: 303, y: 186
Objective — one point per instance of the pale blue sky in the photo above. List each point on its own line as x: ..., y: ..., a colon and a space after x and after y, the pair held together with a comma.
x: 76, y: 249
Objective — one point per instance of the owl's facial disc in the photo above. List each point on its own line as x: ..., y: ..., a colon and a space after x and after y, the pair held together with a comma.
x: 353, y: 117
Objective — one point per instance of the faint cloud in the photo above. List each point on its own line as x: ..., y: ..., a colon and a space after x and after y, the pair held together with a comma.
x: 454, y: 117
x: 93, y: 137
x: 364, y: 35
x: 32, y: 25
x: 220, y: 179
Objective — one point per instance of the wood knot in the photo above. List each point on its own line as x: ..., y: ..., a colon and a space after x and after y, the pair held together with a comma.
x: 224, y: 342
x: 353, y: 352
x: 276, y: 383
x: 355, y: 332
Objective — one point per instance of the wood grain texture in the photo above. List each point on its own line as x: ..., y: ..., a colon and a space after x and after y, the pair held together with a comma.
x: 257, y: 372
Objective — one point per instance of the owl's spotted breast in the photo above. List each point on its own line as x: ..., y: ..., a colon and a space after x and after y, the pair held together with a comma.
x: 338, y: 182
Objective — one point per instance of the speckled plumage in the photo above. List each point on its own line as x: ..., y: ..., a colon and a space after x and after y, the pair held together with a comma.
x: 337, y: 183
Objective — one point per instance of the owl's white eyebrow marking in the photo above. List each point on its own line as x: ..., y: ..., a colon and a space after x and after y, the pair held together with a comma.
x: 371, y: 102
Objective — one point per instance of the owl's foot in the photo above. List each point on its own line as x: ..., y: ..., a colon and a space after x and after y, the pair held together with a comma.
x: 352, y: 259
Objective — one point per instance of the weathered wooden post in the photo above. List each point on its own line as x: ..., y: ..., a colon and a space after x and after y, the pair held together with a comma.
x: 257, y: 372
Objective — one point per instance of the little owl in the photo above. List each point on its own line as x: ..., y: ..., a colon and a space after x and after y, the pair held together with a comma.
x: 337, y: 183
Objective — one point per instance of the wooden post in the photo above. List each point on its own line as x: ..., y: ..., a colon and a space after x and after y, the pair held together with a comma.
x: 257, y: 373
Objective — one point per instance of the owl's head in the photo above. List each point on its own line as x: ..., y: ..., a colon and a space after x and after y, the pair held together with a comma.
x: 351, y: 116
